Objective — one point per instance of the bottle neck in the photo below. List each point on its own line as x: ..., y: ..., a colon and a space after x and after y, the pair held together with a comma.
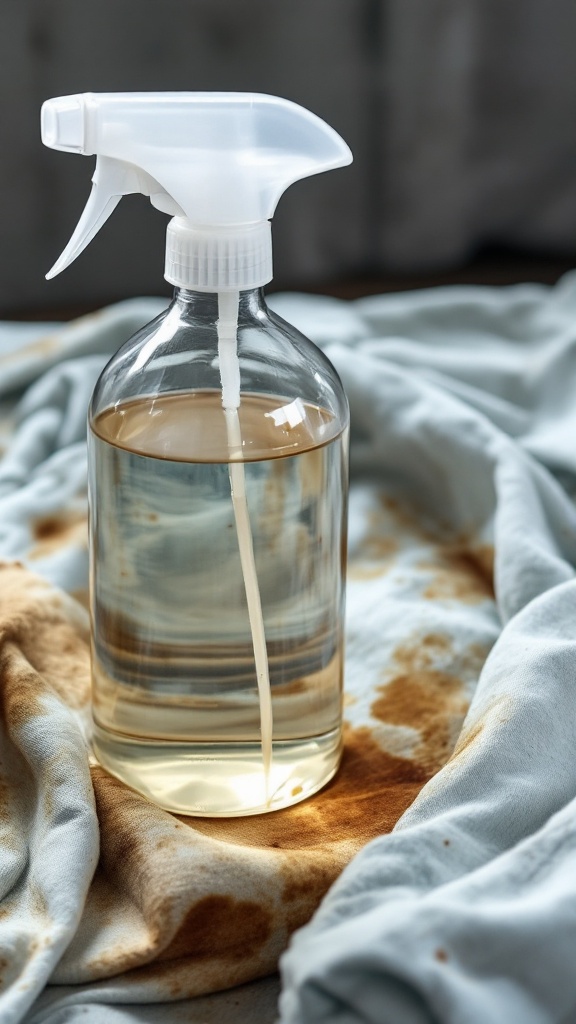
x: 206, y: 306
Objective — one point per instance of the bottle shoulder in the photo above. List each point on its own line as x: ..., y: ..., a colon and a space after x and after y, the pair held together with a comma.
x: 178, y: 354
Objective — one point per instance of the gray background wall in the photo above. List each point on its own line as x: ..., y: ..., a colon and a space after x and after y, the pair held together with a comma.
x: 461, y: 115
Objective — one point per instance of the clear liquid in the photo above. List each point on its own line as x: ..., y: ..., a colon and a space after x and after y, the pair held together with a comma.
x: 176, y: 706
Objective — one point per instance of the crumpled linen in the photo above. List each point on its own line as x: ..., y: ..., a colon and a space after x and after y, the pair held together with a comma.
x: 457, y: 397
x: 467, y: 911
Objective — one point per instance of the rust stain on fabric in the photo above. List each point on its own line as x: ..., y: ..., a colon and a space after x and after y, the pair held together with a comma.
x: 427, y: 698
x: 22, y: 688
x: 307, y: 884
x: 467, y: 739
x: 83, y: 598
x: 223, y: 927
x: 124, y: 817
x: 369, y: 793
x: 411, y: 520
x: 312, y: 841
x: 42, y: 650
x: 463, y: 566
x: 102, y: 898
x: 430, y: 701
x: 301, y: 901
x: 376, y: 552
x: 358, y: 571
x: 497, y: 712
x: 460, y: 573
x: 431, y: 649
x: 38, y: 902
x: 53, y: 532
x: 422, y: 651
x: 5, y: 814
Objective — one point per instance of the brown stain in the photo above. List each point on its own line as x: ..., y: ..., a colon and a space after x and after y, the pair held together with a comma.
x: 410, y: 520
x: 67, y: 528
x: 124, y: 818
x: 305, y: 881
x: 358, y: 572
x: 467, y: 739
x: 460, y: 573
x: 426, y: 652
x: 43, y: 646
x: 83, y: 598
x: 496, y: 712
x: 22, y: 688
x: 369, y: 793
x: 102, y: 899
x: 128, y: 873
x: 376, y: 552
x: 463, y: 566
x: 223, y: 927
x: 8, y: 907
x: 62, y: 657
x: 167, y: 843
x: 484, y: 556
x: 307, y: 885
x: 441, y: 955
x: 430, y: 701
x: 38, y: 904
x: 381, y: 547
x: 224, y: 939
x: 5, y: 813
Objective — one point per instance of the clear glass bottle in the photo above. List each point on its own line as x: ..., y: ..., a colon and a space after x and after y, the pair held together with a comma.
x: 176, y: 700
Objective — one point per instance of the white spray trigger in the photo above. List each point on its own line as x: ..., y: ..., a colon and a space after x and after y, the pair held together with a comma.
x: 217, y: 162
x: 112, y: 179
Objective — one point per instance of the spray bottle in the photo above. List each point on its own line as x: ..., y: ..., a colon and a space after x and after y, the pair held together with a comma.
x: 217, y: 467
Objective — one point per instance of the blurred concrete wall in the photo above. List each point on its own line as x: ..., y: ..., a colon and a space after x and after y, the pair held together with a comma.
x: 311, y: 51
x: 461, y: 115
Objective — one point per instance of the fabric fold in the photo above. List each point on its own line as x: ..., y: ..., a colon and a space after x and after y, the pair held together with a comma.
x: 445, y: 842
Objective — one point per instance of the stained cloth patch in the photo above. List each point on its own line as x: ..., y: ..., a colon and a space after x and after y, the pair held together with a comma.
x: 459, y: 702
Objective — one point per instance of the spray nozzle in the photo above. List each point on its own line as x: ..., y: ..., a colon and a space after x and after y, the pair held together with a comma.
x: 217, y: 162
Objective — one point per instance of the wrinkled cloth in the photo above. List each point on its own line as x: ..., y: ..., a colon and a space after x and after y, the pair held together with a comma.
x: 460, y: 589
x: 467, y: 911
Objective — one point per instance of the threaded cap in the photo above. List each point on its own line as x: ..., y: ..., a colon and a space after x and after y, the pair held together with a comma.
x: 215, y: 259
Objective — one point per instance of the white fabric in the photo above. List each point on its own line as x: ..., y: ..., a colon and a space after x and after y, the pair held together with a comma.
x: 462, y: 407
x: 467, y: 911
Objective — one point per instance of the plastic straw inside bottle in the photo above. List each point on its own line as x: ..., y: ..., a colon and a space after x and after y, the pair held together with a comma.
x: 230, y: 380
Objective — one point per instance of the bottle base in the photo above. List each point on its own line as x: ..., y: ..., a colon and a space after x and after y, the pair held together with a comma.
x: 219, y: 780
